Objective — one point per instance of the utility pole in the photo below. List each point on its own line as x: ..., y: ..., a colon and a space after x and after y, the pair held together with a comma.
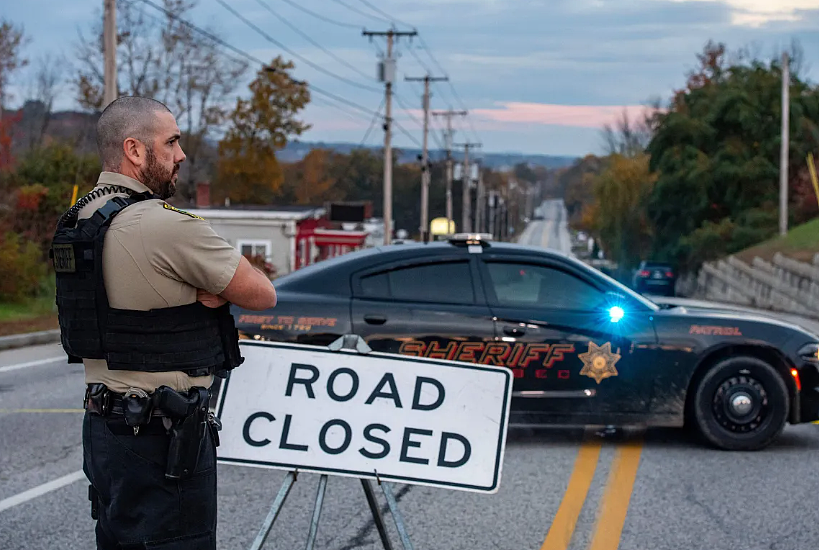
x: 110, y: 52
x: 783, y: 156
x: 466, y: 195
x: 480, y: 207
x: 448, y: 139
x: 425, y: 175
x: 387, y: 74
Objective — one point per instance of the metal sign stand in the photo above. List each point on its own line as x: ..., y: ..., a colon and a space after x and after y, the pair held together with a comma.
x: 354, y: 342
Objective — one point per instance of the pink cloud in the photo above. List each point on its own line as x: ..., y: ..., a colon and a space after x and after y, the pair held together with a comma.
x: 584, y: 116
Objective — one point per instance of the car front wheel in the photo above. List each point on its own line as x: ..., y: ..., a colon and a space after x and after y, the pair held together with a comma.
x: 741, y: 404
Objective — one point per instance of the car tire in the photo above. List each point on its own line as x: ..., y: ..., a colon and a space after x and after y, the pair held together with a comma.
x: 741, y: 404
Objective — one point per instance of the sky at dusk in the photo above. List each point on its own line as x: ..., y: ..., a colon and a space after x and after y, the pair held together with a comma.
x: 535, y: 76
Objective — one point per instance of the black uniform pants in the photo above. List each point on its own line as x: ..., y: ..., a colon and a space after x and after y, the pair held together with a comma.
x: 139, y: 507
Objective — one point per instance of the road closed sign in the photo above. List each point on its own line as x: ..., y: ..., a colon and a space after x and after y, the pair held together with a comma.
x: 375, y: 415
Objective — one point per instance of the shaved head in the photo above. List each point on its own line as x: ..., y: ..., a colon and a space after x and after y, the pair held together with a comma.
x: 126, y: 117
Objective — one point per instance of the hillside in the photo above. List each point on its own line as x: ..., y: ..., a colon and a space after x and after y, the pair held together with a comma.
x: 296, y: 150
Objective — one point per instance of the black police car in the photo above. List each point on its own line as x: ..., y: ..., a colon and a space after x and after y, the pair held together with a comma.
x: 583, y: 348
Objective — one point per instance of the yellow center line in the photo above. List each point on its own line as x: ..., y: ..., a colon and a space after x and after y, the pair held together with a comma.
x: 611, y: 516
x: 562, y: 529
x: 42, y: 410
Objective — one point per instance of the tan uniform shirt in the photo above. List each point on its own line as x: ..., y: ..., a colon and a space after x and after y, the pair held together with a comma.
x: 156, y: 256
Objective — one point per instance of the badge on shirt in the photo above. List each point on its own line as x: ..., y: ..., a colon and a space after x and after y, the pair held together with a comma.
x: 169, y: 207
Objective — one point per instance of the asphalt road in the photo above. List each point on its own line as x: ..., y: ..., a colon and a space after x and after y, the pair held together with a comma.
x: 550, y: 232
x: 560, y: 489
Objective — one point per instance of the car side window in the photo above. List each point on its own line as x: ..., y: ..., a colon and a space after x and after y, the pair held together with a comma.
x: 444, y: 282
x: 529, y: 285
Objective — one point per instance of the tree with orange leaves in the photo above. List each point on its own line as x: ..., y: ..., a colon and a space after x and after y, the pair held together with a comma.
x: 248, y: 171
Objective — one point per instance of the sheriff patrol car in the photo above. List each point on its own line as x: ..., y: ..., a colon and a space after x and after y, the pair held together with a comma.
x: 583, y: 348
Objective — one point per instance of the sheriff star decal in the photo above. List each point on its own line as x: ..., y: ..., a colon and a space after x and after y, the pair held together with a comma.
x: 599, y: 361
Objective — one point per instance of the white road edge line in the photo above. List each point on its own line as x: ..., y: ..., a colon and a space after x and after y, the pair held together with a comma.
x: 40, y: 490
x: 32, y: 364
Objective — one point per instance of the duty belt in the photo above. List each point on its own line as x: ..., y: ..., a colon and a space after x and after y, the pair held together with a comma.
x: 104, y: 402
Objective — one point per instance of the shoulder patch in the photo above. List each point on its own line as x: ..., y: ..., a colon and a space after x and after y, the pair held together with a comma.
x: 167, y: 206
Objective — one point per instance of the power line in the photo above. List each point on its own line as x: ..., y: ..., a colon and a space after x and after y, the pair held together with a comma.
x: 415, y: 120
x: 357, y: 114
x: 385, y: 14
x: 313, y: 42
x: 365, y: 14
x: 406, y: 109
x: 203, y: 32
x: 372, y: 124
x: 291, y: 52
x: 403, y: 131
x: 451, y: 87
x: 251, y: 57
x: 224, y: 44
x: 323, y: 18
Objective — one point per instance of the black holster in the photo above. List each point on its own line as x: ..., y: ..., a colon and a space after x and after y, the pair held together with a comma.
x: 189, y: 415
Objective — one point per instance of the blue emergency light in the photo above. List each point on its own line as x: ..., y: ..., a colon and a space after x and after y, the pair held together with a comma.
x: 616, y: 313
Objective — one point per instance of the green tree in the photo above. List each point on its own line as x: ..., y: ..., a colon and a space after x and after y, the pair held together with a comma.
x: 716, y: 150
x: 247, y: 170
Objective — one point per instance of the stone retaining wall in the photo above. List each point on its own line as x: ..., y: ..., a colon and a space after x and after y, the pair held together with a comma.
x: 782, y: 284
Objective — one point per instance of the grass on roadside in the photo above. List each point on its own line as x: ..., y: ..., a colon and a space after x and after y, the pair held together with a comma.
x: 31, y: 315
x: 36, y: 307
x: 801, y: 243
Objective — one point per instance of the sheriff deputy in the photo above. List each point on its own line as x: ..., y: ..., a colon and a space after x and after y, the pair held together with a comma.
x: 143, y: 295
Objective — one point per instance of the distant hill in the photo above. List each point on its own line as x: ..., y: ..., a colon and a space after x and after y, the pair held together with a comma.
x: 296, y: 150
x: 78, y: 128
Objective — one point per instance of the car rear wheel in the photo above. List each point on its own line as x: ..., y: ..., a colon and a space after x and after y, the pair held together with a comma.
x: 741, y: 404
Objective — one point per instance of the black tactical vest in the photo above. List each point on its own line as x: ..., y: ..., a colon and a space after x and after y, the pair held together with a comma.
x: 195, y: 339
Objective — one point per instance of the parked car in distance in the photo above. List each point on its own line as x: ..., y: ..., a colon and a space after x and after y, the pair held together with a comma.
x: 655, y: 278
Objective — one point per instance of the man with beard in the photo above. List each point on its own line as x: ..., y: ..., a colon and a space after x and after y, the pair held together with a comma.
x: 152, y: 328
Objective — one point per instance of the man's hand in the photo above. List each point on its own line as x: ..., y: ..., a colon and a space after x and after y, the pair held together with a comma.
x: 208, y: 299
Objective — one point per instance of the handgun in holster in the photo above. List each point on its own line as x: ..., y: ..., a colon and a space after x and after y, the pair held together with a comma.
x: 189, y: 415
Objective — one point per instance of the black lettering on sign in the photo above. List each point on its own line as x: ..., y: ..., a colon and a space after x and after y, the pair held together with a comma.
x: 416, y: 398
x: 385, y: 446
x: 308, y: 382
x: 407, y: 443
x: 283, y: 444
x: 348, y: 436
x: 387, y: 379
x: 246, y: 430
x: 445, y: 438
x: 331, y: 380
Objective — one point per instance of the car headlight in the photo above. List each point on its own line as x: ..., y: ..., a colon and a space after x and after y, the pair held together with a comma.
x: 810, y: 353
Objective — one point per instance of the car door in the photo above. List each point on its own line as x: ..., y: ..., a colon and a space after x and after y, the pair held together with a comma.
x: 571, y: 354
x: 427, y: 307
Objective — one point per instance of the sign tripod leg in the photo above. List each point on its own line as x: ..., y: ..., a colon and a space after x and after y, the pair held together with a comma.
x: 311, y: 538
x: 289, y: 479
x: 377, y: 517
x: 396, y: 516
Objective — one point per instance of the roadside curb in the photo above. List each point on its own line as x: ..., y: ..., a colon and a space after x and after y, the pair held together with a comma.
x: 29, y: 339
